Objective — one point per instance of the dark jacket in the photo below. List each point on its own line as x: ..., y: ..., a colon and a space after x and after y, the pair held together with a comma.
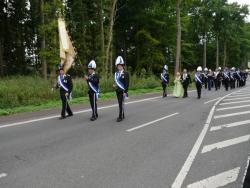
x: 94, y: 80
x: 186, y: 81
x: 166, y: 76
x: 201, y: 77
x: 67, y: 82
x: 124, y: 79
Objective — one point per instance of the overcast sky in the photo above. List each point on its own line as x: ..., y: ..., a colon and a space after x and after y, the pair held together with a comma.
x: 247, y: 2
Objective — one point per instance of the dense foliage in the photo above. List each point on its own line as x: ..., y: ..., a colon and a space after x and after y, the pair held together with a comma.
x: 143, y: 32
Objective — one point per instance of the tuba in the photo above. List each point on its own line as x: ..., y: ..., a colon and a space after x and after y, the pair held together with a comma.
x: 67, y: 51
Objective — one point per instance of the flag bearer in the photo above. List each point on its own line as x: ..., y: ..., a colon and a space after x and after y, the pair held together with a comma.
x: 64, y: 82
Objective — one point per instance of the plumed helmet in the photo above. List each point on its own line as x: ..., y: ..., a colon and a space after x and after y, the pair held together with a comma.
x: 165, y: 67
x: 199, y: 68
x: 206, y: 69
x: 119, y: 61
x: 92, y: 65
x: 219, y: 68
x: 60, y: 67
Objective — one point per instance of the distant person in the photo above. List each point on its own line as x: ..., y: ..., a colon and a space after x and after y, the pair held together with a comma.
x: 218, y: 77
x: 121, y: 85
x: 199, y: 81
x: 93, y: 82
x: 238, y: 78
x: 233, y: 77
x: 186, y: 80
x: 205, y: 73
x: 226, y: 78
x: 210, y: 79
x: 64, y: 83
x: 165, y: 80
x: 178, y: 89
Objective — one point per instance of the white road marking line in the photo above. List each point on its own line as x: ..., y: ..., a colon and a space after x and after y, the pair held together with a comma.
x: 235, y: 99
x: 2, y: 175
x: 236, y: 96
x: 235, y: 102
x: 151, y: 122
x: 190, y: 159
x: 235, y: 124
x: 226, y: 143
x: 78, y: 112
x: 218, y: 180
x: 232, y: 114
x: 212, y: 100
x: 243, y: 91
x: 233, y: 107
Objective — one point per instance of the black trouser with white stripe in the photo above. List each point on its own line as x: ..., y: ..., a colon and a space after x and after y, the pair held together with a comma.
x: 164, y: 86
x: 120, y: 98
x: 92, y: 99
x: 65, y: 104
x: 226, y: 83
x: 198, y: 87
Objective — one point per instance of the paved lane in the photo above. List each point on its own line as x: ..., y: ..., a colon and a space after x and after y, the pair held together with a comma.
x: 79, y: 153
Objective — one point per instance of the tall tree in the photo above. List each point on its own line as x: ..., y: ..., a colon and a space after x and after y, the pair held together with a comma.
x: 178, y: 36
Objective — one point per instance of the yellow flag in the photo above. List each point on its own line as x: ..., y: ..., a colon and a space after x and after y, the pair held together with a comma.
x: 67, y: 51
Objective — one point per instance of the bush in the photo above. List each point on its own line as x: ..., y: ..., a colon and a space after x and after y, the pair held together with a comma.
x: 34, y: 90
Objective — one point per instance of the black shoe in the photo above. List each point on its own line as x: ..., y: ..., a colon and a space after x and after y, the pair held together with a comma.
x: 69, y: 115
x: 96, y: 116
x: 92, y: 118
x: 62, y: 117
x: 119, y: 119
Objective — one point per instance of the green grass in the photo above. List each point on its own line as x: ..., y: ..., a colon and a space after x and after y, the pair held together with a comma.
x: 32, y: 93
x: 79, y: 100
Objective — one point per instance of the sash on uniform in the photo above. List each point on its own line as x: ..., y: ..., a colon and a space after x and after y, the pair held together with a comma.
x: 239, y: 75
x: 226, y: 75
x: 205, y: 75
x: 197, y: 78
x: 163, y: 78
x: 95, y: 89
x: 118, y: 82
x: 184, y: 76
x: 232, y: 77
x: 61, y: 82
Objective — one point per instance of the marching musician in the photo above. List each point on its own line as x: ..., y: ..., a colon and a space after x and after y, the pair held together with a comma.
x: 165, y: 80
x: 121, y: 85
x: 93, y: 82
x: 199, y: 80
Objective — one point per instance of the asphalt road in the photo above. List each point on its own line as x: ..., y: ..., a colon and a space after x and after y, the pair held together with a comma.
x: 162, y: 143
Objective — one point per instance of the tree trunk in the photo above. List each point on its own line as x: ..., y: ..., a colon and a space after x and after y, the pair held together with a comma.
x: 110, y: 34
x: 102, y: 34
x: 1, y: 60
x: 178, y: 36
x: 217, y: 51
x: 111, y: 60
x: 205, y: 52
x: 225, y: 54
x: 43, y: 43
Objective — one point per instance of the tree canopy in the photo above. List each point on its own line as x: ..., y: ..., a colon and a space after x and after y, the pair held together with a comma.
x: 143, y: 32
